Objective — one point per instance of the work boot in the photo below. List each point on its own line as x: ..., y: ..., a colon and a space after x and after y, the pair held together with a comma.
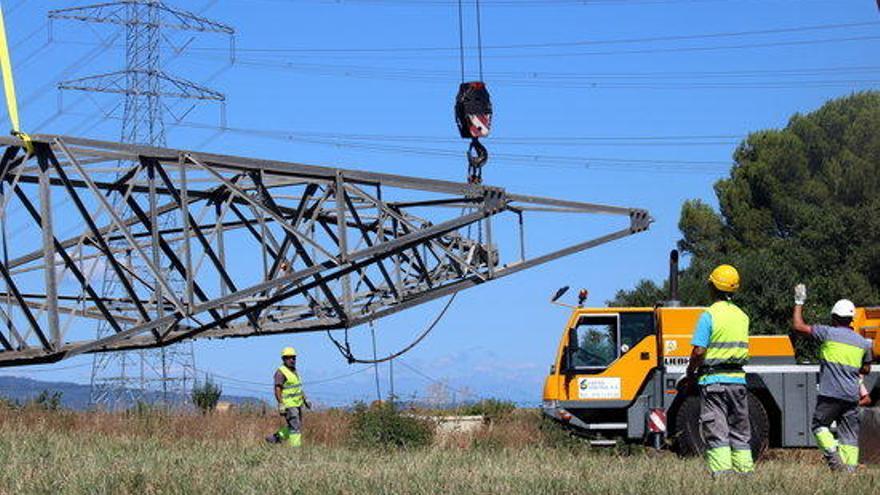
x: 273, y: 438
x: 832, y: 458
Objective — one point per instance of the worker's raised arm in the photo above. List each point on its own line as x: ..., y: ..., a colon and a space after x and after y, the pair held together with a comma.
x: 797, y: 317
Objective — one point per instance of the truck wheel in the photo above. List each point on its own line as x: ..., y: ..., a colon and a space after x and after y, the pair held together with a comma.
x: 689, y: 440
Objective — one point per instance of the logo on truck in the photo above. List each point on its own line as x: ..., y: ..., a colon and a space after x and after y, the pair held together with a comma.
x: 599, y: 388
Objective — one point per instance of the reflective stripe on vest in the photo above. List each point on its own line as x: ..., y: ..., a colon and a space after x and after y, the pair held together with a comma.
x: 729, y: 341
x: 291, y: 390
x: 842, y: 354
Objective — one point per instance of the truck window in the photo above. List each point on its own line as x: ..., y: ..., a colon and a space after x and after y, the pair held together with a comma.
x: 596, y: 342
x: 634, y: 327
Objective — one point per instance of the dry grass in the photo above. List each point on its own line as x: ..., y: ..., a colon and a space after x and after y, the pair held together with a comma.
x: 82, y: 453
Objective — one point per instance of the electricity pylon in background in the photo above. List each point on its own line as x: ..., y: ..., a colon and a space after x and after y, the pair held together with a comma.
x: 121, y: 379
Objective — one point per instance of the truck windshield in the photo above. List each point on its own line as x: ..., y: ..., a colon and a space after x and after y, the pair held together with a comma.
x: 596, y: 338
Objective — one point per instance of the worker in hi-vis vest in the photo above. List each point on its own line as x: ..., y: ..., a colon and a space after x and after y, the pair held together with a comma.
x: 290, y: 396
x: 721, y: 348
x: 845, y: 358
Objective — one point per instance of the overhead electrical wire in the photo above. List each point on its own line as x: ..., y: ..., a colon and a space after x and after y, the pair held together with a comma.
x: 345, y: 349
x: 539, y: 79
x: 324, y: 51
x: 431, y: 379
x: 508, y: 3
x: 440, y: 51
x: 539, y: 160
x: 268, y: 382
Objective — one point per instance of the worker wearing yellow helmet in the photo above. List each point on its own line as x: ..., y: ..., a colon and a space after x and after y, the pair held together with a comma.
x: 291, y: 398
x: 720, y: 349
x: 845, y: 358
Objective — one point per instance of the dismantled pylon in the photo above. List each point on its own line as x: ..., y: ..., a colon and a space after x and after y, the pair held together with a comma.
x: 263, y: 247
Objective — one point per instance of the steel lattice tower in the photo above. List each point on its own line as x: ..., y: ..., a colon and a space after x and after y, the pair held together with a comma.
x: 124, y: 378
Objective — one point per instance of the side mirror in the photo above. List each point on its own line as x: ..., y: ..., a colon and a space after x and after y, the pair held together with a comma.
x: 559, y: 293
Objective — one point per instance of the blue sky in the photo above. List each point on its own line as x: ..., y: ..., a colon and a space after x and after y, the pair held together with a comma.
x: 632, y: 103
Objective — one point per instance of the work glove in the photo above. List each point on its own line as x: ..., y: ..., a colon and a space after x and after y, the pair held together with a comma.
x: 282, y: 409
x: 307, y: 404
x: 800, y: 294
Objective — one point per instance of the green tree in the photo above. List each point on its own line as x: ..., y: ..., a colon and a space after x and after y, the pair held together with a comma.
x: 801, y: 204
x: 206, y: 395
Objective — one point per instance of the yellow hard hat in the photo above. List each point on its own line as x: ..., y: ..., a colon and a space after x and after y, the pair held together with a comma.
x: 725, y: 278
x: 288, y: 352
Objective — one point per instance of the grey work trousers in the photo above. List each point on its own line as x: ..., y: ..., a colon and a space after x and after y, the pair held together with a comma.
x: 846, y: 413
x: 293, y: 418
x: 724, y: 416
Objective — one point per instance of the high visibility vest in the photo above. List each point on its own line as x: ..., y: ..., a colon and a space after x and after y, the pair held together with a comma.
x: 728, y: 347
x: 291, y: 390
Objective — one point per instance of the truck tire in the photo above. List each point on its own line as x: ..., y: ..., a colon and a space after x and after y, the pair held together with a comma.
x: 688, y: 440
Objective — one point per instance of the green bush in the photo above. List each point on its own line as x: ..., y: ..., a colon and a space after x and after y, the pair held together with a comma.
x: 492, y: 409
x: 206, y: 395
x: 47, y: 401
x: 7, y: 403
x: 383, y: 425
x: 556, y: 436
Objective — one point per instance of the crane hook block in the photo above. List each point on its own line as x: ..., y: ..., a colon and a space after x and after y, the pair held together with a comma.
x: 473, y: 110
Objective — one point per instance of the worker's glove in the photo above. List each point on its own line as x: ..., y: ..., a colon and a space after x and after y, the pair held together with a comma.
x: 800, y: 294
x: 282, y: 409
x: 307, y: 404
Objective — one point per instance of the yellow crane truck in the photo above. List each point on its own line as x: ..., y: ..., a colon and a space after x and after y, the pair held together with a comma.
x: 617, y: 371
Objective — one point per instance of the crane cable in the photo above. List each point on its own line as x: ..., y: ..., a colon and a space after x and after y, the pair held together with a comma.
x: 461, y: 47
x: 9, y: 89
x: 480, y: 40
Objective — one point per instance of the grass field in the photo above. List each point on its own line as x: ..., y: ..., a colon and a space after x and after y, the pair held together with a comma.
x: 63, y: 452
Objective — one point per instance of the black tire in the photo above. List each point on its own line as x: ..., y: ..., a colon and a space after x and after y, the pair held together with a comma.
x: 689, y: 440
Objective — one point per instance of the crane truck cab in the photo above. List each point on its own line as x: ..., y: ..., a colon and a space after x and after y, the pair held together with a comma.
x: 617, y: 370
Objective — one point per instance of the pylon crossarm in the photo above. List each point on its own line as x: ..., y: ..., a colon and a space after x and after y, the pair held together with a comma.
x: 262, y: 247
x: 115, y: 13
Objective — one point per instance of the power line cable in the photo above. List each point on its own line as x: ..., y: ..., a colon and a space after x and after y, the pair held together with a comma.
x: 434, y: 380
x: 745, y: 79
x: 362, y: 51
x: 346, y: 352
x: 533, y: 160
x: 504, y: 3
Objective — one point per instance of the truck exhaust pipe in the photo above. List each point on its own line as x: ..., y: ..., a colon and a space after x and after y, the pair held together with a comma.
x: 673, y: 280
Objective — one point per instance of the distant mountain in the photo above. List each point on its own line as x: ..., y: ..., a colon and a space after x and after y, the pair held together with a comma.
x: 76, y: 395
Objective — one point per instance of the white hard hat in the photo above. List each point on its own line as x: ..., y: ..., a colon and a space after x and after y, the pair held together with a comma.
x: 844, y: 308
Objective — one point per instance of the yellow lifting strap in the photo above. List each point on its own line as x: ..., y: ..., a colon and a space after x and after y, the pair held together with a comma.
x: 9, y: 87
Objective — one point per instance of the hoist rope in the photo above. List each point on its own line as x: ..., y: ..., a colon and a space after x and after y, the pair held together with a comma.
x: 479, y: 40
x: 461, y: 47
x: 9, y: 88
x: 461, y: 38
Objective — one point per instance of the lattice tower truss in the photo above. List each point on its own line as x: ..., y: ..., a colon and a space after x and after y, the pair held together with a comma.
x: 263, y: 247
